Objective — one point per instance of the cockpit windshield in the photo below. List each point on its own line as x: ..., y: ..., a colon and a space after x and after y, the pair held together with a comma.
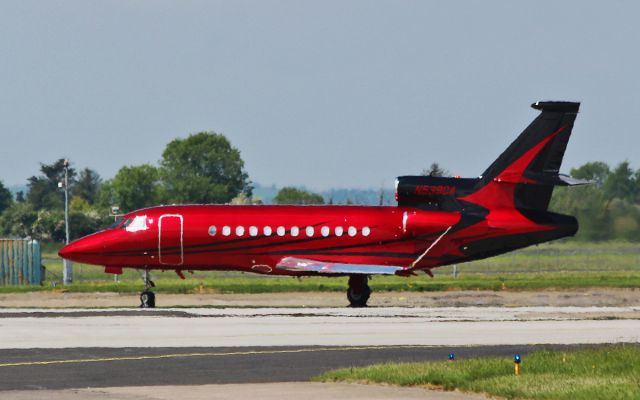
x: 134, y: 224
x: 116, y: 223
x: 138, y: 223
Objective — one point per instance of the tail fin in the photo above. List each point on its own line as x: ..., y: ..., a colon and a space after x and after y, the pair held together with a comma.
x: 530, y: 165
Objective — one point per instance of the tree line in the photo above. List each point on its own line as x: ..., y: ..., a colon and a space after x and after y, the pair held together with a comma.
x: 607, y: 209
x: 205, y: 168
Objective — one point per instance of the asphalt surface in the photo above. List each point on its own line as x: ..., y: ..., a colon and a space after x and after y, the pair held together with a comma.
x: 51, y: 353
x: 29, y: 369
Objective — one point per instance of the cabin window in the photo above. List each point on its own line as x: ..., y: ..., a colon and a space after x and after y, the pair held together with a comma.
x: 281, y: 231
x: 212, y: 230
x: 352, y: 231
x: 295, y: 231
x: 366, y: 231
x: 325, y: 231
x: 239, y: 230
x: 253, y: 231
x: 267, y: 231
x: 226, y: 230
x: 309, y: 231
x: 339, y: 231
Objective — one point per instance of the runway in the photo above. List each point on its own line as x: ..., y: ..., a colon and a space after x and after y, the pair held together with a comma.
x: 251, y: 327
x: 103, y: 348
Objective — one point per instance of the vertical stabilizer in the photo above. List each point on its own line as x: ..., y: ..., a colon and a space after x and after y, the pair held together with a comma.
x: 524, y: 175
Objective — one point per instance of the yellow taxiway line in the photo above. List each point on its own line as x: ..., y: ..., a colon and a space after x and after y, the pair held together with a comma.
x: 208, y: 354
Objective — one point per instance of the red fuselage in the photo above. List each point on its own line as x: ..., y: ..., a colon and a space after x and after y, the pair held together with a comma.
x: 256, y: 238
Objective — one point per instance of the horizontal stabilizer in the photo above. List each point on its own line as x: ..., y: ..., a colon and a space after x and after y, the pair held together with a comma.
x: 571, y: 181
x: 556, y: 106
x: 534, y: 178
x: 321, y: 267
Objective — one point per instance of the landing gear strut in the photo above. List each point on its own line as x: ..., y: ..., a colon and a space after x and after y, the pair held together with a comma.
x: 147, y: 297
x: 359, y: 291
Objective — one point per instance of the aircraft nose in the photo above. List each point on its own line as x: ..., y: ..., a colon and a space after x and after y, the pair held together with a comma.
x: 83, y: 250
x: 68, y: 251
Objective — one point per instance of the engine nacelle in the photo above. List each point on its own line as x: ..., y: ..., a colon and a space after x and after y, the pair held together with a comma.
x: 432, y: 192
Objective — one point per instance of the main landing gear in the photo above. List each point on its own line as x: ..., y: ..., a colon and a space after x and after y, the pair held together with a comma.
x: 147, y: 297
x: 359, y: 290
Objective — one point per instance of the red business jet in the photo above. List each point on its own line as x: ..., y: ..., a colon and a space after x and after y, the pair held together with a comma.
x: 437, y: 221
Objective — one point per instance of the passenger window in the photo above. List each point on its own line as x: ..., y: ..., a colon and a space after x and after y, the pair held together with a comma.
x: 239, y: 230
x: 253, y: 231
x: 352, y: 231
x: 309, y: 231
x: 366, y: 231
x: 212, y: 230
x: 226, y: 231
x: 281, y: 231
x: 295, y: 231
x: 339, y: 231
x: 325, y: 231
x: 267, y: 231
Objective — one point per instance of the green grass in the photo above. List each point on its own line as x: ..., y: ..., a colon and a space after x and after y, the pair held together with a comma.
x: 608, y: 372
x: 264, y: 284
x: 558, y: 265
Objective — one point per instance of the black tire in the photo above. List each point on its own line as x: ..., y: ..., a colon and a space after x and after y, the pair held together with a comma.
x: 358, y: 298
x: 147, y: 299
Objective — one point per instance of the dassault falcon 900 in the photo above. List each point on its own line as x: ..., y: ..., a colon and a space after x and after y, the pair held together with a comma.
x: 437, y: 221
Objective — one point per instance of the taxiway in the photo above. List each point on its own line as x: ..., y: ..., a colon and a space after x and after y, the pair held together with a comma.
x: 51, y: 353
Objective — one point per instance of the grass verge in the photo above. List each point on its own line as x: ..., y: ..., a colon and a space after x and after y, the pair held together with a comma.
x: 556, y: 265
x: 222, y: 283
x: 608, y: 372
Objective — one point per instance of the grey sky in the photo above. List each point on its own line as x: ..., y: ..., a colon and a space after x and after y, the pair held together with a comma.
x: 326, y: 94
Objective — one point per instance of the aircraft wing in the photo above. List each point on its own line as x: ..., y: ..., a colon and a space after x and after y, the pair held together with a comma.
x: 323, y: 267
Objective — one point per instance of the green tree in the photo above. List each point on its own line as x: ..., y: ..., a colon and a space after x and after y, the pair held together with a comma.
x: 589, y: 206
x: 203, y: 168
x: 6, y: 198
x: 18, y: 220
x: 434, y: 170
x: 87, y: 185
x: 625, y: 218
x: 132, y: 188
x: 620, y: 183
x: 49, y: 225
x: 43, y: 189
x: 291, y: 195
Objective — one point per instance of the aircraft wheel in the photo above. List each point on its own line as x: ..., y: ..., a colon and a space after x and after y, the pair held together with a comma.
x: 359, y: 291
x: 147, y: 299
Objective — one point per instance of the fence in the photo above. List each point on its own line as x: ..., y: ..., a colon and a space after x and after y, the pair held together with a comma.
x: 20, y: 262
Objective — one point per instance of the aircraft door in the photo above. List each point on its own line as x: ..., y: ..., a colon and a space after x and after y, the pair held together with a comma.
x: 170, y: 239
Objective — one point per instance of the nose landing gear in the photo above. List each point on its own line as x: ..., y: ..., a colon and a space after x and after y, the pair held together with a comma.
x: 147, y: 297
x: 359, y: 290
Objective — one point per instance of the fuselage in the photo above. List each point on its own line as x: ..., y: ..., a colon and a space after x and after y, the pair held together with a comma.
x: 255, y: 238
